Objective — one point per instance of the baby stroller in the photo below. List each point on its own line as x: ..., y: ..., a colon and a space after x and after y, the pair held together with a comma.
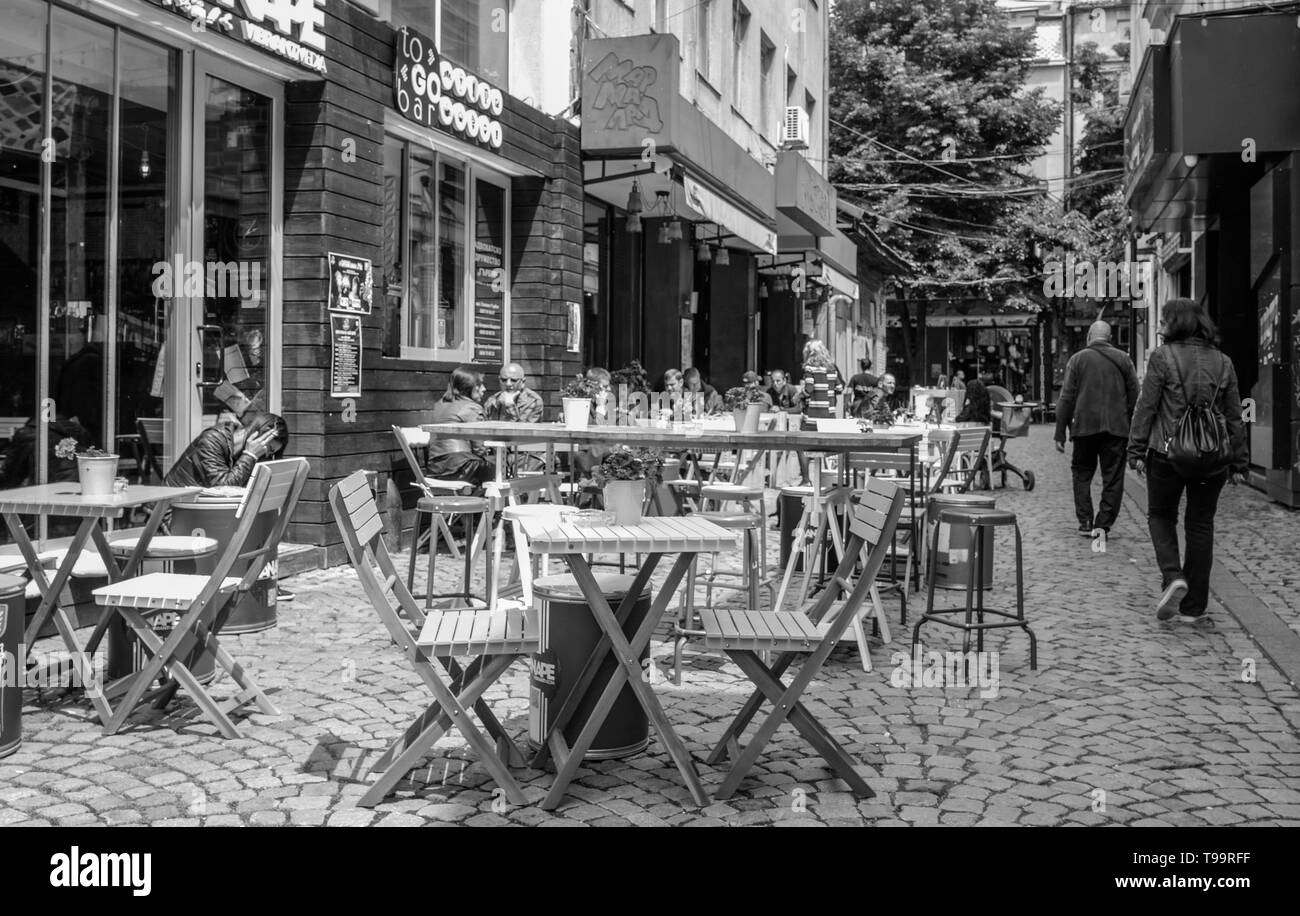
x: 1010, y: 421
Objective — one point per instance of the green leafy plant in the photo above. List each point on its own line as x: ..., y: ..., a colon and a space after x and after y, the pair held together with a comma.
x: 633, y: 375
x: 625, y: 463
x: 580, y: 387
x: 740, y: 398
x: 67, y: 450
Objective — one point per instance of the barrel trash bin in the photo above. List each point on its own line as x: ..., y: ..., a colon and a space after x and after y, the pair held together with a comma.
x: 214, y: 517
x: 126, y: 655
x: 12, y: 677
x: 952, y: 560
x: 569, y: 634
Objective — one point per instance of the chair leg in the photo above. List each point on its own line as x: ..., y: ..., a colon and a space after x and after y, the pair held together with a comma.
x: 415, y: 546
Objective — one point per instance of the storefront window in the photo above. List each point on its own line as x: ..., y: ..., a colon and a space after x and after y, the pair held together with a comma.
x: 148, y: 89
x: 473, y: 33
x: 22, y: 99
x: 82, y: 60
x: 428, y: 293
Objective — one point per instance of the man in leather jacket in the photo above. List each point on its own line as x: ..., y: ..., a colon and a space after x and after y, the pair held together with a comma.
x: 223, y: 455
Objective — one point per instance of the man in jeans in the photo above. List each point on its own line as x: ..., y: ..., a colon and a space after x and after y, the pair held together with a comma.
x: 1097, y: 400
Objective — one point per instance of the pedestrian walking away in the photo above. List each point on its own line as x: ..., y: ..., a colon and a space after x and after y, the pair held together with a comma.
x: 1097, y: 400
x: 1186, y: 373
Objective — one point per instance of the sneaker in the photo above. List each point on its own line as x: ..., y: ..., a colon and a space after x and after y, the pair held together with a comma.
x: 1085, y: 531
x: 1202, y: 620
x: 282, y: 594
x: 1167, y: 606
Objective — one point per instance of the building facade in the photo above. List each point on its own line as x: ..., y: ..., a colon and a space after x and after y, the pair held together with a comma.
x: 316, y: 209
x: 1212, y: 143
x: 705, y: 121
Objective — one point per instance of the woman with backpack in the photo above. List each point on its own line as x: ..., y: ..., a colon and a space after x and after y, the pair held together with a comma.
x: 1186, y: 434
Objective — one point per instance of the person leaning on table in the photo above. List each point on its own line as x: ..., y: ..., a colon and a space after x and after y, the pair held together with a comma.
x: 457, y: 459
x: 225, y: 454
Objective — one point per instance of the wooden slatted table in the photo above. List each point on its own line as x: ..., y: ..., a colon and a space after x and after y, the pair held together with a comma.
x: 65, y: 499
x: 654, y: 537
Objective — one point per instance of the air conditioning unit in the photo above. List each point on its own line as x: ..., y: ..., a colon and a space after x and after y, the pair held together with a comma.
x: 794, y: 128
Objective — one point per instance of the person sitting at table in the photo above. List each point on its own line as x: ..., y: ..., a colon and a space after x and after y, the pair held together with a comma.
x: 785, y: 396
x: 882, y: 403
x: 224, y: 455
x: 695, y: 385
x: 458, y: 459
x: 515, y: 401
x: 979, y: 404
x: 673, y: 396
x: 753, y: 384
x: 860, y: 387
x: 604, y: 409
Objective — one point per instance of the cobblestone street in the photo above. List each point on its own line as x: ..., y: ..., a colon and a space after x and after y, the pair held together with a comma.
x: 1126, y: 720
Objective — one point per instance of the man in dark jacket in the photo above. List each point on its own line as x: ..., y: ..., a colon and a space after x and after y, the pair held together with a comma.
x: 1097, y: 400
x: 223, y: 455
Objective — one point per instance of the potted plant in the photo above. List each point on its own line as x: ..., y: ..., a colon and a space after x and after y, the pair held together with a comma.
x: 96, y: 468
x: 622, y: 475
x: 746, y: 405
x: 577, y: 398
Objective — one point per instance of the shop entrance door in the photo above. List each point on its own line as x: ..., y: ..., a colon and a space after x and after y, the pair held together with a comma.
x: 234, y: 233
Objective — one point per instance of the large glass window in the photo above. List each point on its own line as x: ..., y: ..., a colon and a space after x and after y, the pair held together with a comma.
x: 441, y: 304
x: 473, y: 33
x: 82, y: 60
x: 22, y: 100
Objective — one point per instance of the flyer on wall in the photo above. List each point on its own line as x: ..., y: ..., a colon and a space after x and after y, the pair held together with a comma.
x: 345, y: 356
x: 351, y: 284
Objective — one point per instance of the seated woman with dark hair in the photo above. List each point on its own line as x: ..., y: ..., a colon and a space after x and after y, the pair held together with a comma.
x: 457, y: 459
x: 979, y: 404
x: 224, y: 455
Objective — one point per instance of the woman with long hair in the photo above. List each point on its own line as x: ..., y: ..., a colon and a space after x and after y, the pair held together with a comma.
x: 458, y: 459
x: 1188, y: 368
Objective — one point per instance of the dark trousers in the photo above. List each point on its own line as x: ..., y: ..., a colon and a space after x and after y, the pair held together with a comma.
x: 1164, y: 492
x: 1089, y: 451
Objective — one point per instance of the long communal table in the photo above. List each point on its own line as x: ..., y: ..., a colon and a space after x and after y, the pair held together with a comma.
x: 814, y: 444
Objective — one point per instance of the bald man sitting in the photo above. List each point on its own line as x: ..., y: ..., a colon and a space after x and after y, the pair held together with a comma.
x: 1097, y: 400
x: 515, y: 401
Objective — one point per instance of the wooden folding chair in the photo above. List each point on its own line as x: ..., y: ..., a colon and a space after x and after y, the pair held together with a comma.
x: 523, y: 497
x: 495, y: 638
x: 432, y: 488
x: 744, y: 634
x: 965, y: 455
x: 202, y: 603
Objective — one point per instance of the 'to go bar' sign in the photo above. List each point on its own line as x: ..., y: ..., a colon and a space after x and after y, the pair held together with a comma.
x: 434, y: 92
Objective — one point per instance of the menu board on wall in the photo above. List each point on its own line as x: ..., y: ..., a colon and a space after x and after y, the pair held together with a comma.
x: 351, y: 284
x: 345, y: 356
x: 489, y: 275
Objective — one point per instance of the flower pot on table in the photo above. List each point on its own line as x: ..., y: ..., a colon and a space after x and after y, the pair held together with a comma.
x: 624, y: 498
x: 97, y: 474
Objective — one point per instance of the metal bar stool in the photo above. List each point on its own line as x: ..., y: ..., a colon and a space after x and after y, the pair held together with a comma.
x: 474, y: 511
x: 974, y: 611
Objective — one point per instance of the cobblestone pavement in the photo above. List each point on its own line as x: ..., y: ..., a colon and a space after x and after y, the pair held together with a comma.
x: 1126, y: 721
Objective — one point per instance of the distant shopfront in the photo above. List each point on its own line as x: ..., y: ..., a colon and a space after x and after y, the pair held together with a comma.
x: 1223, y: 190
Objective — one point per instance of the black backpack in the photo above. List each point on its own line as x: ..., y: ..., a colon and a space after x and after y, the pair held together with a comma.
x: 1199, y: 445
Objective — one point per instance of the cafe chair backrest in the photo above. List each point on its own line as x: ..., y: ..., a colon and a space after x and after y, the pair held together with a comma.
x: 403, y: 437
x: 274, y: 487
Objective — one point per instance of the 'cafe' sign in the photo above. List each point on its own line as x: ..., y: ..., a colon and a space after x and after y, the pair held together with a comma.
x: 434, y: 92
x: 268, y: 24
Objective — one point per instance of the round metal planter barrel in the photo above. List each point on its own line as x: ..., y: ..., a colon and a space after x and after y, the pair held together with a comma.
x: 952, y: 561
x: 255, y: 610
x: 124, y: 654
x: 12, y: 678
x: 569, y: 635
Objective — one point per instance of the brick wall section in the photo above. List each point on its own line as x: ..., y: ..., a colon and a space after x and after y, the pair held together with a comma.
x: 336, y: 205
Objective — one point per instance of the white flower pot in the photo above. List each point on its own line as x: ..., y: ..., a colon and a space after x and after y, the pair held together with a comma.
x: 747, y: 418
x: 577, y: 413
x: 624, y: 498
x: 97, y: 474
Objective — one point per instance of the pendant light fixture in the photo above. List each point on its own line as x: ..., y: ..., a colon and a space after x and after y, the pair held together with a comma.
x: 661, y: 209
x: 705, y: 253
x: 145, y: 168
x: 724, y: 257
x: 634, y: 208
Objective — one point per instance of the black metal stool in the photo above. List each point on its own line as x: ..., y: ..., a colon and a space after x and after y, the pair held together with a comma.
x: 436, y: 509
x: 977, y: 520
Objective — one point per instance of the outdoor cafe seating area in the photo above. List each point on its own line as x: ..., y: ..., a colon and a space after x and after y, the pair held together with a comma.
x: 559, y: 575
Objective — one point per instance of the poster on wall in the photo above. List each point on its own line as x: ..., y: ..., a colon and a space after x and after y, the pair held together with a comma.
x: 351, y: 284
x: 575, y: 327
x: 345, y: 356
x: 489, y: 275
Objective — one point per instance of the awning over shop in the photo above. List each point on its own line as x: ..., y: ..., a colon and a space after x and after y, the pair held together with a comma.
x: 1169, y: 137
x: 712, y: 208
x: 840, y: 282
x: 637, y: 125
